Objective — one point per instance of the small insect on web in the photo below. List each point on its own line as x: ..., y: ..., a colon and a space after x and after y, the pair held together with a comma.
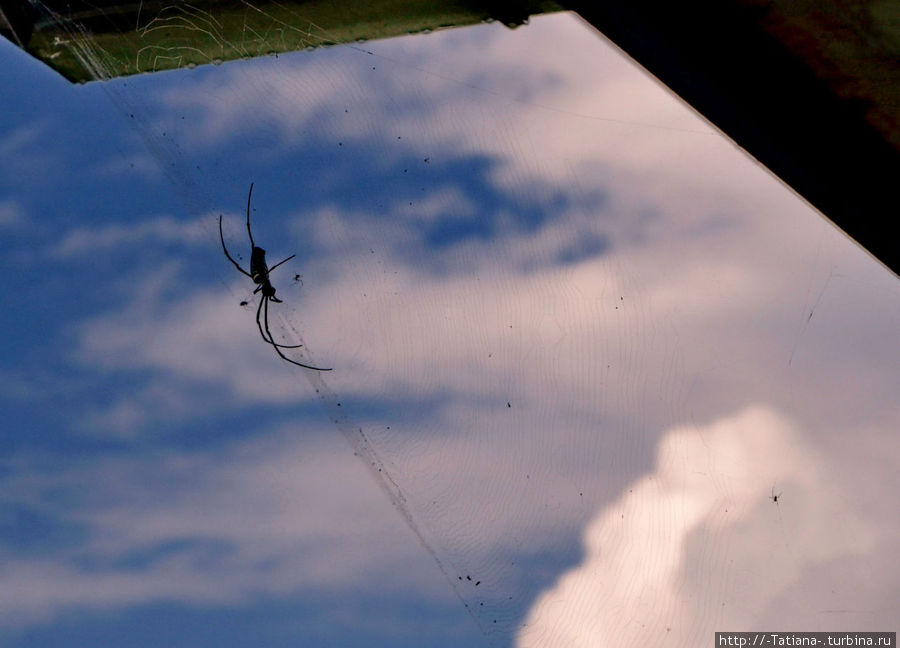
x: 774, y: 496
x: 259, y: 273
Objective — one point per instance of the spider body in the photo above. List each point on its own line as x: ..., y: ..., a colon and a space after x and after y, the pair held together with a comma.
x: 259, y: 274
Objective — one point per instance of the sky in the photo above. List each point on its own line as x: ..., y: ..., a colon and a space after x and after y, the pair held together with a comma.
x: 580, y: 342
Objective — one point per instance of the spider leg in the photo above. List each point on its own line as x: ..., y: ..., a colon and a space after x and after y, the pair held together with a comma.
x: 275, y: 346
x: 269, y: 340
x: 252, y: 244
x: 270, y: 294
x: 225, y: 249
x: 259, y: 322
x: 280, y: 262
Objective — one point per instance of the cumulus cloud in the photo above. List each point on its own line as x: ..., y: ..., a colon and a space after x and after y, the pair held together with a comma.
x: 698, y: 544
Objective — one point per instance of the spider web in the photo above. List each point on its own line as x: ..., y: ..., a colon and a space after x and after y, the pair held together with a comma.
x: 565, y: 348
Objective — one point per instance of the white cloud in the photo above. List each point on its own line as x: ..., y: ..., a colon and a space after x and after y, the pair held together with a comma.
x: 21, y: 145
x: 276, y: 515
x: 696, y: 546
x: 84, y: 241
x: 11, y: 214
x: 197, y: 336
x: 549, y: 124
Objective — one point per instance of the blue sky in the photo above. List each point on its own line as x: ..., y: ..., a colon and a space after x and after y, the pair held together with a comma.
x: 579, y: 340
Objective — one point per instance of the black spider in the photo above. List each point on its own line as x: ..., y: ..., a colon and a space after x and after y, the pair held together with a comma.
x: 259, y: 273
x: 774, y: 497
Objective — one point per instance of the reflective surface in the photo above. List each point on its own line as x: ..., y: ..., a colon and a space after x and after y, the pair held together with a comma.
x: 580, y: 344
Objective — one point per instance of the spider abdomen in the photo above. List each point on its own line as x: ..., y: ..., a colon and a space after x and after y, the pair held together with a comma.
x: 258, y: 270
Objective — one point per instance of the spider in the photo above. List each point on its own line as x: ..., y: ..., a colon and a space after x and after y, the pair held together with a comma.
x: 259, y: 273
x: 774, y: 497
